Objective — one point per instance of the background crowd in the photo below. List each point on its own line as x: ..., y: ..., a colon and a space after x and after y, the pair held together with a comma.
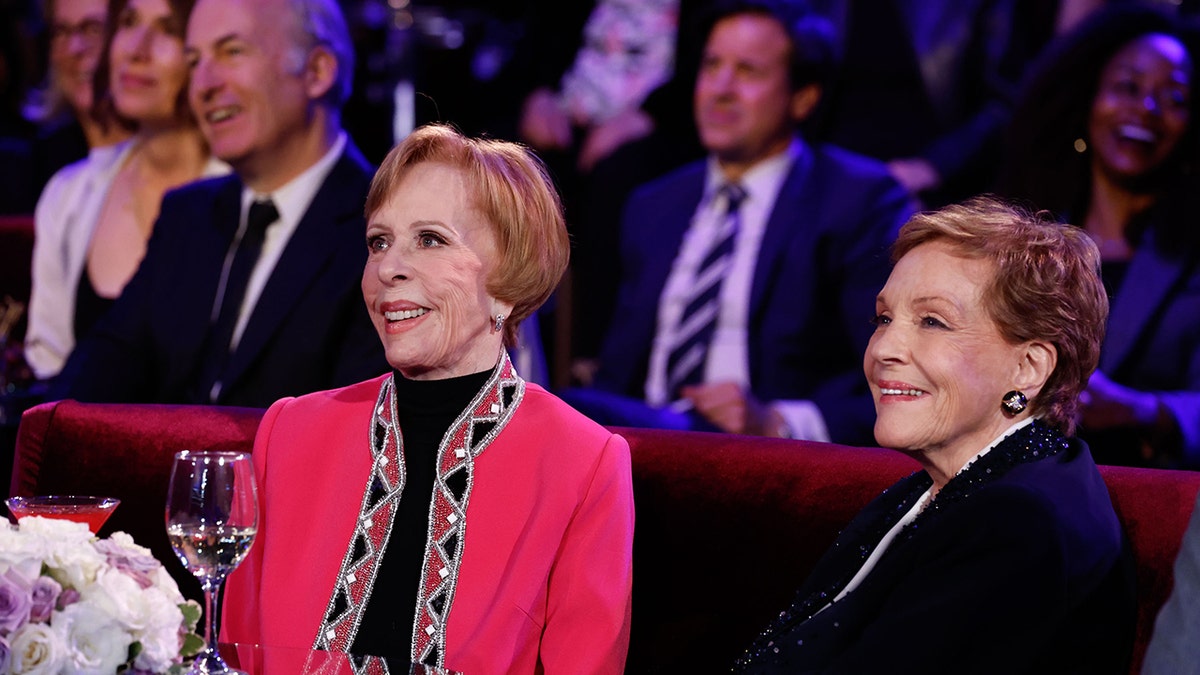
x: 834, y: 125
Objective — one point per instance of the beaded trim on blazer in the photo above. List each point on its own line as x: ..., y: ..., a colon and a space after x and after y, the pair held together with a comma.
x: 324, y: 663
x: 1031, y: 443
x: 468, y: 436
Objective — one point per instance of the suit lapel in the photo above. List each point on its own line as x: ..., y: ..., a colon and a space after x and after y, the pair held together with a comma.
x: 206, y: 259
x: 228, y: 209
x: 1149, y: 281
x: 673, y: 218
x: 315, y: 243
x: 787, y: 211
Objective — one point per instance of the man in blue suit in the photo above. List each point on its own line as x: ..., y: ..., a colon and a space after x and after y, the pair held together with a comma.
x: 250, y: 287
x: 749, y: 279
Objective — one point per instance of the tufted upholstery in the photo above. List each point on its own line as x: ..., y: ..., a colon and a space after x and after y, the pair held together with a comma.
x: 727, y: 526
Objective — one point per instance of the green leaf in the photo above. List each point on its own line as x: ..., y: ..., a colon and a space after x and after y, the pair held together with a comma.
x: 192, y: 645
x: 191, y: 614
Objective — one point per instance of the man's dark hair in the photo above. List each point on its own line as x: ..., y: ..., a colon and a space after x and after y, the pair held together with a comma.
x: 813, y: 54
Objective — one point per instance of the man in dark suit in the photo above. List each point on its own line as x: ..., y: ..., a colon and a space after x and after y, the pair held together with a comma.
x: 250, y: 288
x: 748, y: 279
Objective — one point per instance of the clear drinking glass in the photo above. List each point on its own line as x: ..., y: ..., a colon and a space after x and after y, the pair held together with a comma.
x: 212, y: 517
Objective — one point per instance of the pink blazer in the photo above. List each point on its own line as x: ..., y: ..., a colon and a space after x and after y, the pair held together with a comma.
x: 545, y: 571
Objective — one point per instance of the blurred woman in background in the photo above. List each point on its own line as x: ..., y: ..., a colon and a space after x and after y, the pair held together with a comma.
x: 68, y: 130
x: 95, y: 216
x: 1106, y: 138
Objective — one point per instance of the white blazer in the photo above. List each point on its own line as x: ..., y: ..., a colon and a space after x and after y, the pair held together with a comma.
x: 66, y: 216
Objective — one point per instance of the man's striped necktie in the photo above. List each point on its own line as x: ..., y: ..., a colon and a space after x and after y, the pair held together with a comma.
x: 685, y: 363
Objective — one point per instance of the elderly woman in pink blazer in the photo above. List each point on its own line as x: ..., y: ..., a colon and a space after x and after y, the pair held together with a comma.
x: 447, y: 512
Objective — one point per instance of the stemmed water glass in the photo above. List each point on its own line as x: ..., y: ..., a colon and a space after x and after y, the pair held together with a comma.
x: 212, y: 517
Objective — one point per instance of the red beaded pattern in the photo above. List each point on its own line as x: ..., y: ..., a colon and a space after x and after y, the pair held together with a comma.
x: 466, y: 439
x: 365, y: 553
x: 468, y: 436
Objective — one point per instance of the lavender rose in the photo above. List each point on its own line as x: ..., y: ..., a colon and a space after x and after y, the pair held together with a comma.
x: 67, y: 598
x: 134, y: 561
x: 15, y: 601
x: 44, y: 596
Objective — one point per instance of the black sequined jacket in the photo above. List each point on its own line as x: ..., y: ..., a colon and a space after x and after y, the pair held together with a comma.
x: 1018, y: 566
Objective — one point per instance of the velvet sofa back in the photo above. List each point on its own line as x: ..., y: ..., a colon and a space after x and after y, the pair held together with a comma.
x: 727, y: 529
x: 727, y: 526
x: 124, y: 451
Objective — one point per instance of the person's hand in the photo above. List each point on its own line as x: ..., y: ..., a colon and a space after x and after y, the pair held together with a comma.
x: 1104, y: 404
x: 733, y: 409
x: 544, y: 123
x: 583, y: 371
x: 915, y: 174
x: 602, y: 139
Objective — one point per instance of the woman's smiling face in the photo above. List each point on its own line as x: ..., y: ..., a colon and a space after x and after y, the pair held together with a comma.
x: 149, y: 72
x: 1142, y: 107
x: 430, y: 254
x: 937, y: 364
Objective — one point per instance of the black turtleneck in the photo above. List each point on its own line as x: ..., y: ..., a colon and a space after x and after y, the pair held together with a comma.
x: 424, y: 409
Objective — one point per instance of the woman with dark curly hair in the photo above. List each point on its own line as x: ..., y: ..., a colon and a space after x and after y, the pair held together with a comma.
x: 1106, y: 138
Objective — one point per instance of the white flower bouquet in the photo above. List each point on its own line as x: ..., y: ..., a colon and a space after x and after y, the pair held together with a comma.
x: 74, y: 604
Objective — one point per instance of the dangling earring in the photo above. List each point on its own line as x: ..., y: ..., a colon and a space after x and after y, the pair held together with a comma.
x: 1014, y: 403
x: 499, y: 325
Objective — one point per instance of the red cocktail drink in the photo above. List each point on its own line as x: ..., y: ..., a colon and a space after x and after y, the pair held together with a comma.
x: 92, y: 511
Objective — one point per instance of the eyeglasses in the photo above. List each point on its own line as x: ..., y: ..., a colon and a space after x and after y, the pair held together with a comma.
x: 89, y: 30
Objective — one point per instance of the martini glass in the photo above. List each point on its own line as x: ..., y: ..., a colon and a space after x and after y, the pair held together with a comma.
x: 92, y: 511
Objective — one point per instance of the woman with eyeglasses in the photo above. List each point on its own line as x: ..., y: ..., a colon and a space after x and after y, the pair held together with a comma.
x: 95, y: 216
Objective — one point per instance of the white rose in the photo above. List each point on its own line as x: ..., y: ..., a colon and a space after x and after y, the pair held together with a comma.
x: 116, y: 595
x: 159, y: 632
x: 72, y: 559
x: 150, y: 615
x: 56, y: 530
x: 96, y: 644
x: 165, y: 583
x: 161, y: 639
x: 126, y: 541
x: 37, y: 649
x: 20, y: 551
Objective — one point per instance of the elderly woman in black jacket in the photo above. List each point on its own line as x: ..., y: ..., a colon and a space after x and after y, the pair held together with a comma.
x: 1004, y: 555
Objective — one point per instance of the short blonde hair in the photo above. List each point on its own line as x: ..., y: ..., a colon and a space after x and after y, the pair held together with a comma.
x: 1046, y: 287
x: 514, y: 193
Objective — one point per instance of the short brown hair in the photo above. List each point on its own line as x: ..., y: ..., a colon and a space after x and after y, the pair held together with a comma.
x: 514, y: 193
x: 1046, y: 287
